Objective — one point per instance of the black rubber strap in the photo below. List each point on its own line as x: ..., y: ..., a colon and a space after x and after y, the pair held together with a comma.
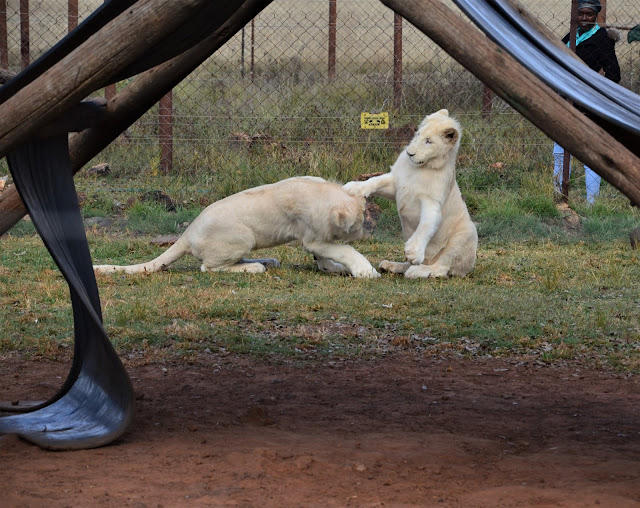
x: 96, y: 402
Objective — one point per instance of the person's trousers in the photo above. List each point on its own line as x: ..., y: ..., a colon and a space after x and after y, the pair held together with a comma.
x: 592, y: 179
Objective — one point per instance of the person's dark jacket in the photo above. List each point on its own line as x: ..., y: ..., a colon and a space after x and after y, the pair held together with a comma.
x: 598, y: 52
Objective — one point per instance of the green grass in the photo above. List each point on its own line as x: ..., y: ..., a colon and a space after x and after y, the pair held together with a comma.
x: 537, y: 292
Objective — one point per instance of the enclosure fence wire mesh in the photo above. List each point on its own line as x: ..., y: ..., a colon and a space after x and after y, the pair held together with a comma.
x: 296, y: 80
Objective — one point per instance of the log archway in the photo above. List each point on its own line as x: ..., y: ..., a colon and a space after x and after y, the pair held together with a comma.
x: 162, y: 41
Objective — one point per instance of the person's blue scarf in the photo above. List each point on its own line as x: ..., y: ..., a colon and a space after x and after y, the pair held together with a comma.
x: 586, y: 35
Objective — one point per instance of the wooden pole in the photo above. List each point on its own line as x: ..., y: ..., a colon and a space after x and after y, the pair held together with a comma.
x: 110, y: 91
x: 333, y: 16
x: 526, y: 93
x: 132, y: 102
x: 397, y: 61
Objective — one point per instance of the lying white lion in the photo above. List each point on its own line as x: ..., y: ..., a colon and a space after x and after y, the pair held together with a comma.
x: 308, y: 209
x: 440, y: 238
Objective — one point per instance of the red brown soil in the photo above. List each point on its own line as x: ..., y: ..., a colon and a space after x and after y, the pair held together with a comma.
x: 402, y: 431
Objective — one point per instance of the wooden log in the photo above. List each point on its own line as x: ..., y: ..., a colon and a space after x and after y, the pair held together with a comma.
x: 132, y: 102
x: 11, y: 208
x: 526, y: 93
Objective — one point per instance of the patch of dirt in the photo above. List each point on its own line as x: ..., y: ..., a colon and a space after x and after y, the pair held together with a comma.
x: 407, y: 430
x: 570, y: 219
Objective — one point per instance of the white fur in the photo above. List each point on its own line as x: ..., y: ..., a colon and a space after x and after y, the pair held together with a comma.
x: 440, y: 238
x: 311, y: 210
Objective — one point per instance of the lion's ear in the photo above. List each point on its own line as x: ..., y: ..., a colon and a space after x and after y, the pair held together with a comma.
x: 443, y: 112
x: 451, y: 135
x: 346, y: 215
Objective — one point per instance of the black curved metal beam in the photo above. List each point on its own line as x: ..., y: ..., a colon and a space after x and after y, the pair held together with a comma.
x: 561, y: 72
x: 96, y: 403
x: 624, y: 97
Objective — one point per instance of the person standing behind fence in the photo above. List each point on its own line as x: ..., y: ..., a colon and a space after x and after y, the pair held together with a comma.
x: 596, y: 47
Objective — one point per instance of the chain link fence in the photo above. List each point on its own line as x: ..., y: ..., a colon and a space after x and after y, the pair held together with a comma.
x: 296, y: 79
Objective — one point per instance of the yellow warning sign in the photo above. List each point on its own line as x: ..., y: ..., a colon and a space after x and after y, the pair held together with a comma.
x: 374, y: 120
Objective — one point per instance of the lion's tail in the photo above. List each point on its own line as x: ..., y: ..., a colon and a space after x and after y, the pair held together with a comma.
x: 172, y: 254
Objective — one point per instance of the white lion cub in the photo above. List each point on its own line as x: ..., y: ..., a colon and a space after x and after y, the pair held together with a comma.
x: 440, y: 238
x: 309, y: 209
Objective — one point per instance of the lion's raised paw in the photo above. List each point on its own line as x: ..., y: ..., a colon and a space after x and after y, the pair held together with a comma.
x: 357, y: 189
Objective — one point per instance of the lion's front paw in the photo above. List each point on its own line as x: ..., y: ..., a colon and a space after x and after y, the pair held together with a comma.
x: 357, y: 189
x: 366, y: 273
x: 414, y: 252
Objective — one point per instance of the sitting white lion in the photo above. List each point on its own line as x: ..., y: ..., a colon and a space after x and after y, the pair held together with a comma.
x: 308, y: 209
x: 440, y: 238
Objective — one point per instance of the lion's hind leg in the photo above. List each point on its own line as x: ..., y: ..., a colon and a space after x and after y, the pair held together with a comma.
x: 425, y: 271
x: 461, y: 251
x: 457, y: 258
x: 237, y: 267
x: 226, y: 252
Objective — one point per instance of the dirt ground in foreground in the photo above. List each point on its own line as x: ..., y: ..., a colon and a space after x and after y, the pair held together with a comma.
x: 403, y: 431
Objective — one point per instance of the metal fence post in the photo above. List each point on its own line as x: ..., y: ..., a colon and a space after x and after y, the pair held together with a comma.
x: 566, y: 160
x: 24, y: 33
x: 165, y: 132
x: 72, y: 14
x: 397, y: 61
x: 110, y: 90
x: 242, y: 53
x: 487, y: 102
x: 333, y: 15
x: 253, y: 49
x: 4, y: 38
x: 602, y: 15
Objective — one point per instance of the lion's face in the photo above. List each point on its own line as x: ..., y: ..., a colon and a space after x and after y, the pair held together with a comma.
x: 436, y: 136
